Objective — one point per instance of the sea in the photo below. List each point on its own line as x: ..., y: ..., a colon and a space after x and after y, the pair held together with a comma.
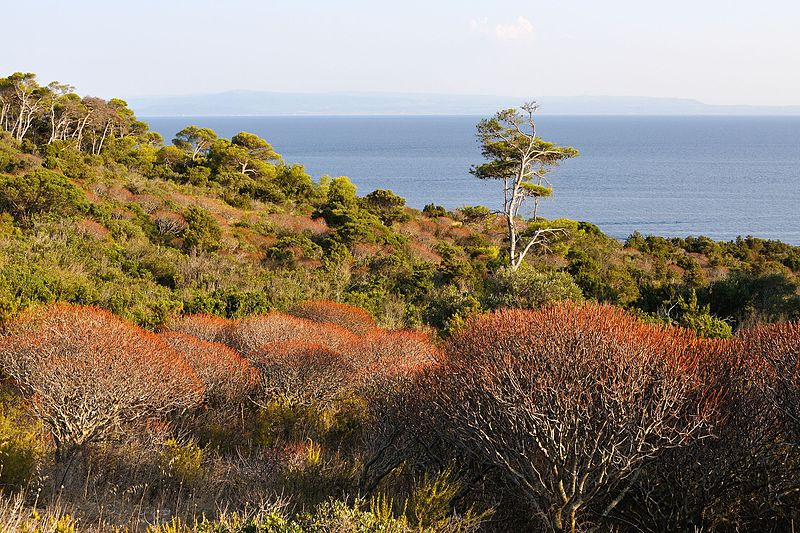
x: 721, y: 176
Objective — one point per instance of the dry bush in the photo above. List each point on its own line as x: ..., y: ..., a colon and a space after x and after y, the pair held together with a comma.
x: 90, y: 228
x: 90, y: 373
x: 302, y: 373
x: 775, y: 352
x: 742, y: 477
x: 226, y: 375
x: 385, y: 354
x: 204, y: 327
x: 568, y: 403
x: 292, y: 224
x: 248, y: 334
x: 168, y: 223
x: 349, y: 317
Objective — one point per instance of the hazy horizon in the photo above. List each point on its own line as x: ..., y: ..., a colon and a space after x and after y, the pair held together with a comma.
x: 260, y: 103
x: 718, y: 52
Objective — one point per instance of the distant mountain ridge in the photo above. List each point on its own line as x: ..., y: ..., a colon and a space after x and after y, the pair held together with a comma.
x: 260, y: 103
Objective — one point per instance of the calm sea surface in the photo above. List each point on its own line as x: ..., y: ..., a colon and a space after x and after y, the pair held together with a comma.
x: 670, y: 176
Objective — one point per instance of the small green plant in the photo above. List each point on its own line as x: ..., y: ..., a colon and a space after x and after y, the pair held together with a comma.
x: 21, y: 445
x: 183, y: 460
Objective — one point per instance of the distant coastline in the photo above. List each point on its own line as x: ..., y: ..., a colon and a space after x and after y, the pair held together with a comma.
x: 265, y: 104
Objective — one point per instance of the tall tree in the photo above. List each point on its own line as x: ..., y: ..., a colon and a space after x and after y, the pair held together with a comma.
x: 195, y: 140
x: 518, y: 157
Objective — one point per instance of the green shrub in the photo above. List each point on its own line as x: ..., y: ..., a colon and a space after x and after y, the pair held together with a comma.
x: 182, y: 461
x: 21, y: 446
x: 389, y: 207
x: 528, y: 288
x: 202, y: 231
x: 39, y: 191
x: 433, y: 211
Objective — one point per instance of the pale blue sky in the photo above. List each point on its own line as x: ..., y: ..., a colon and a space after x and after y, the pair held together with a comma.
x: 717, y: 51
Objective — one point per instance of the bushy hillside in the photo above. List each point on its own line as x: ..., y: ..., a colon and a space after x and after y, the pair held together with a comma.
x: 97, y: 210
x: 198, y: 336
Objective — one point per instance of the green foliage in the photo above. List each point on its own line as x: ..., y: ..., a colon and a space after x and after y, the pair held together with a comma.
x: 450, y: 309
x: 528, y: 288
x: 182, y: 460
x: 433, y: 211
x: 290, y: 248
x: 202, y: 231
x: 389, y: 207
x: 755, y: 299
x: 698, y: 318
x: 39, y: 191
x: 342, y: 211
x: 21, y: 446
x: 601, y: 280
x: 476, y: 213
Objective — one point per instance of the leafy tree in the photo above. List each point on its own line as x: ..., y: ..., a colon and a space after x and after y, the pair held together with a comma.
x: 256, y: 147
x: 295, y: 183
x: 195, y: 140
x: 521, y: 160
x: 389, y: 207
x: 528, y: 288
x: 342, y: 211
x: 693, y: 316
x: 433, y: 210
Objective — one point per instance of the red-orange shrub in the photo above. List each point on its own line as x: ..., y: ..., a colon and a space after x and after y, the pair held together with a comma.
x: 204, y: 327
x: 568, y: 402
x: 385, y: 354
x: 302, y: 373
x: 248, y: 334
x: 349, y: 317
x: 774, y: 352
x: 90, y: 373
x: 227, y: 376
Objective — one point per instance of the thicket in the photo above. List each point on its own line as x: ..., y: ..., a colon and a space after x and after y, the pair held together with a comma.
x: 566, y: 418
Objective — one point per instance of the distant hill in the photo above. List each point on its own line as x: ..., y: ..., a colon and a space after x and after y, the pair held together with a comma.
x: 254, y: 103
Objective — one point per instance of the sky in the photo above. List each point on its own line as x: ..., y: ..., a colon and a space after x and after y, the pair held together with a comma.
x: 716, y: 51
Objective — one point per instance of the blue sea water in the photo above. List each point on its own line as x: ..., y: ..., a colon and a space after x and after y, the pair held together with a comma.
x: 671, y: 176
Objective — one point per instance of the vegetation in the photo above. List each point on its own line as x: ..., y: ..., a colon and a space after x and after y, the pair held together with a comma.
x: 200, y: 337
x: 520, y: 159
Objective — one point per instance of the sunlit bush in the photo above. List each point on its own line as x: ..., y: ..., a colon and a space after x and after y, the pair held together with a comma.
x: 248, y: 334
x: 301, y: 372
x: 568, y: 402
x: 349, y: 317
x: 90, y: 373
x: 226, y: 375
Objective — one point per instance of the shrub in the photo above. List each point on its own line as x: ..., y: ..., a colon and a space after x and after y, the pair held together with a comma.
x: 204, y: 327
x: 202, y: 230
x: 250, y: 333
x: 388, y: 206
x: 433, y: 211
x: 568, y: 403
x: 90, y: 372
x: 776, y: 349
x: 388, y: 354
x: 226, y: 375
x: 301, y: 373
x: 349, y: 317
x: 529, y: 289
x: 21, y: 445
x: 182, y: 460
x: 476, y: 213
x: 37, y: 192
